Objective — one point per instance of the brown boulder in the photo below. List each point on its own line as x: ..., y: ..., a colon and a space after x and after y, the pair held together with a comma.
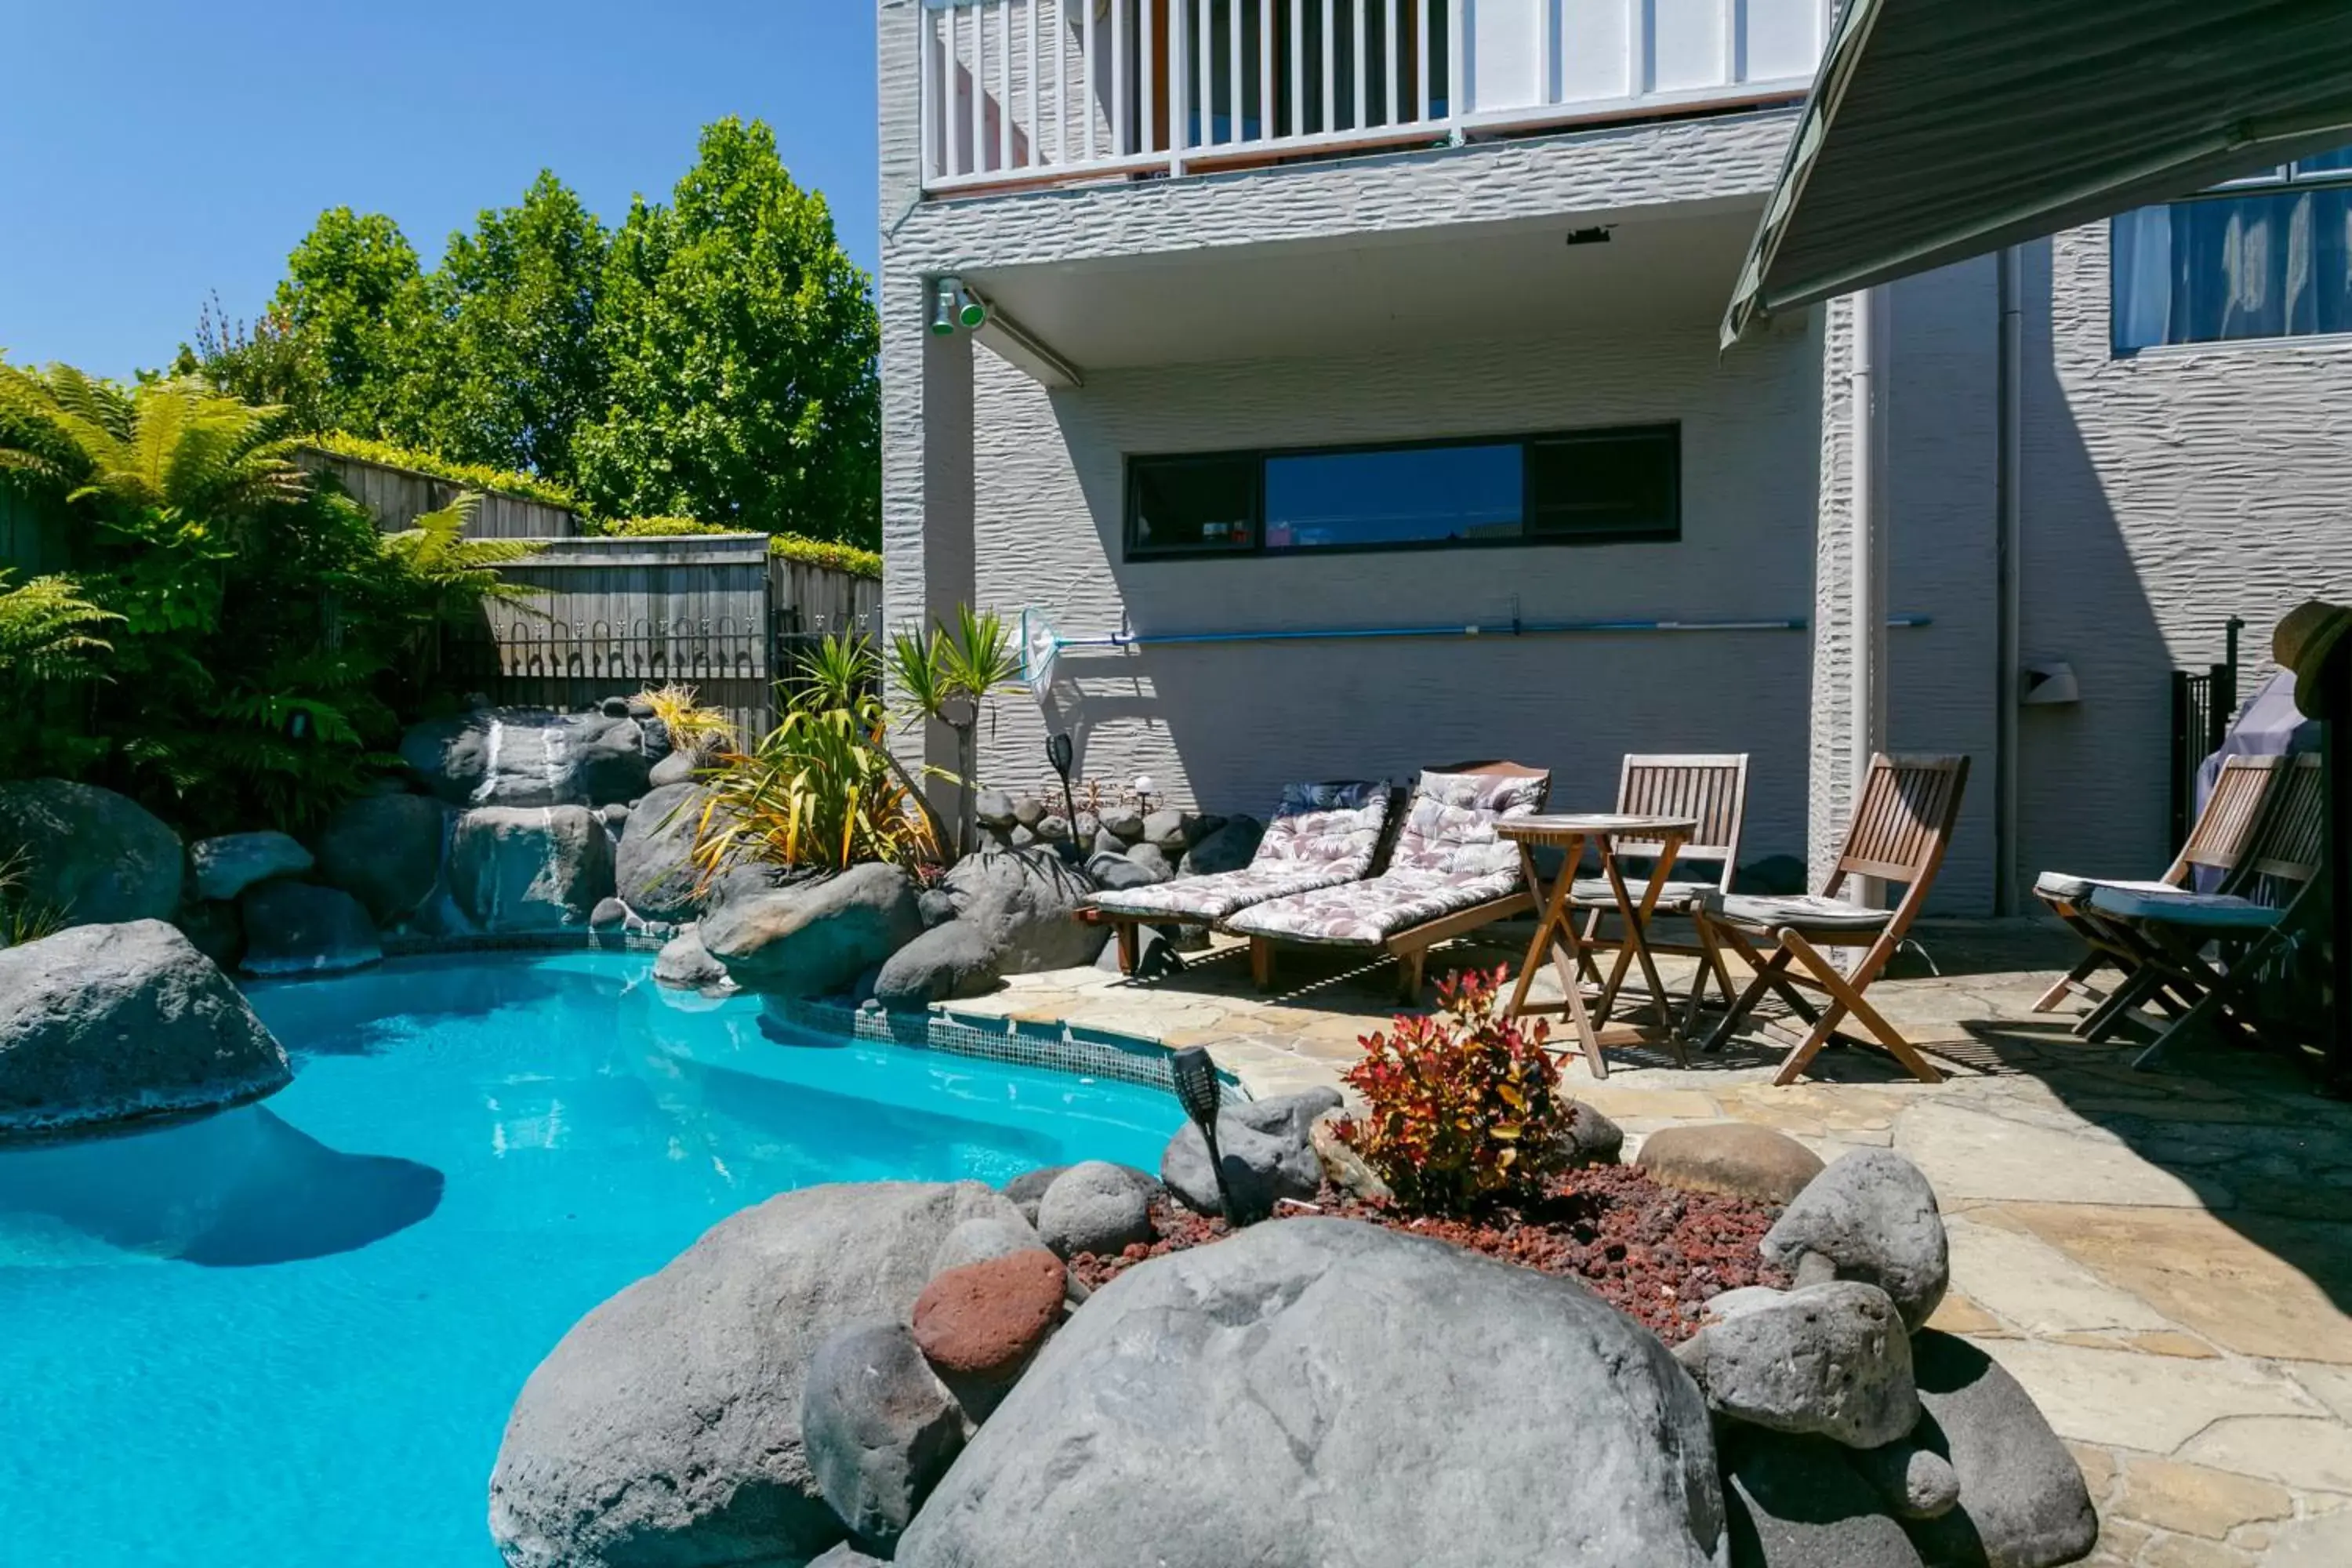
x: 982, y: 1320
x: 1735, y: 1158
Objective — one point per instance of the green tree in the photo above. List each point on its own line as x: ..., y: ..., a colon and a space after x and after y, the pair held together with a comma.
x: 355, y: 295
x: 741, y: 344
x: 515, y: 367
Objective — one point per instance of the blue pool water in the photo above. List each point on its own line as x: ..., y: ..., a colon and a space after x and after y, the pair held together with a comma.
x: 290, y: 1334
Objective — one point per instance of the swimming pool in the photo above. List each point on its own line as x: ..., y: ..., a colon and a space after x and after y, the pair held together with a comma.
x: 290, y: 1333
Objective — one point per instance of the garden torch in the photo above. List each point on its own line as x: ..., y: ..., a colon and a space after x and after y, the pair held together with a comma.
x: 1194, y: 1073
x: 1060, y: 752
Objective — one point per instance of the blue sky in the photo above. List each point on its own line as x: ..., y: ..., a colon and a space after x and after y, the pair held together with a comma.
x: 150, y: 153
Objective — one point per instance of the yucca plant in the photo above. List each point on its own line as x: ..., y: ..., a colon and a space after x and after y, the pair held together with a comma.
x: 949, y: 674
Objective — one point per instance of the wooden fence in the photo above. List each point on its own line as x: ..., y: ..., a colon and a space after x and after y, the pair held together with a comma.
x: 608, y: 617
x: 398, y: 497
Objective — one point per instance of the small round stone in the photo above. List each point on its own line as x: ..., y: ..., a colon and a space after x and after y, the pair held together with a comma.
x: 983, y: 1319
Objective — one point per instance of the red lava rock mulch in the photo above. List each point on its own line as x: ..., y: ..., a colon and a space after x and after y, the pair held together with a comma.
x: 1652, y: 1252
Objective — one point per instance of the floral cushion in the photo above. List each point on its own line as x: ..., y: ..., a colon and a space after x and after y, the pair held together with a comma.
x: 1449, y: 825
x: 1322, y: 835
x: 1365, y: 914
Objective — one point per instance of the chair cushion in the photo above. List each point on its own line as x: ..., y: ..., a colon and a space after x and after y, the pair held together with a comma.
x: 1333, y: 825
x: 2177, y: 906
x: 1806, y: 911
x: 2072, y: 890
x: 1205, y: 899
x: 1367, y: 913
x: 1594, y: 892
x: 1449, y: 825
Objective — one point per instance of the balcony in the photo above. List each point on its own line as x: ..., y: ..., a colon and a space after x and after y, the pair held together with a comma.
x: 1021, y: 93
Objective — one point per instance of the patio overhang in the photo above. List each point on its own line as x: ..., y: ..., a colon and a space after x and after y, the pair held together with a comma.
x: 1935, y: 132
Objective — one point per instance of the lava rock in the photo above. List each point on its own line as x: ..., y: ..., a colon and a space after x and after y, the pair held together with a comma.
x: 300, y: 928
x: 229, y: 864
x: 1831, y: 1360
x: 666, y: 1427
x: 878, y: 1427
x: 89, y: 854
x: 981, y: 1322
x: 214, y: 931
x: 1167, y: 830
x: 1267, y: 1148
x: 945, y: 963
x: 386, y: 851
x: 1024, y: 904
x: 1591, y: 1139
x: 653, y: 868
x: 1912, y: 1482
x: 1183, y: 1415
x: 686, y: 964
x: 523, y: 757
x: 815, y: 939
x: 1795, y: 1502
x: 1094, y: 1207
x: 605, y: 759
x: 105, y: 1023
x: 1230, y: 847
x: 2022, y: 1502
x: 1874, y: 1216
x: 530, y: 868
x: 678, y: 768
x: 1147, y: 857
x: 995, y: 808
x: 1737, y: 1159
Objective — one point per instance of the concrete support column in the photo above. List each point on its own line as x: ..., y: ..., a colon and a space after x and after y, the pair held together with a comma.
x: 1830, y: 751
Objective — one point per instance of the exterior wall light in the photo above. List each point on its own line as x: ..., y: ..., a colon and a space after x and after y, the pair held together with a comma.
x: 943, y: 307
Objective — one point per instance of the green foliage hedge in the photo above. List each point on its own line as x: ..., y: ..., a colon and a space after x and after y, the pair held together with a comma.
x: 819, y: 553
x: 473, y: 476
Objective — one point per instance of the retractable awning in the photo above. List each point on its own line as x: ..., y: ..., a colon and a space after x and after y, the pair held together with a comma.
x: 1938, y: 130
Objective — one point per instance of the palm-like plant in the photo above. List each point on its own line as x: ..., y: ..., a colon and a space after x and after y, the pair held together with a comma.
x: 948, y: 674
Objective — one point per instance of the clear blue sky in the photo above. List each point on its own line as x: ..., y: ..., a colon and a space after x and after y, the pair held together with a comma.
x: 152, y: 152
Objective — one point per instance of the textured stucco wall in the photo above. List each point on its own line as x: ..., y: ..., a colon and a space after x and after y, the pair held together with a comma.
x: 1227, y: 725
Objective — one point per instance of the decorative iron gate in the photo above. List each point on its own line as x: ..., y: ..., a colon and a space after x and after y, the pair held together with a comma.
x: 2203, y: 703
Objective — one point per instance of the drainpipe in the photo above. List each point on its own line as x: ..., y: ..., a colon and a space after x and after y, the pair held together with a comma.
x: 1867, y: 615
x: 2008, y: 551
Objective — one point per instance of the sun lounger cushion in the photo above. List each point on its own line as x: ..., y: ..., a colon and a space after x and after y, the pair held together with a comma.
x: 1594, y: 893
x: 2072, y: 890
x: 1322, y: 835
x: 2177, y: 906
x: 1805, y: 911
x: 1448, y: 858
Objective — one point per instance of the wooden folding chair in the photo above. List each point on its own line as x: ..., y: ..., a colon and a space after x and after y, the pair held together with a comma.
x: 1711, y: 788
x: 2216, y: 843
x: 1902, y: 825
x: 2193, y: 953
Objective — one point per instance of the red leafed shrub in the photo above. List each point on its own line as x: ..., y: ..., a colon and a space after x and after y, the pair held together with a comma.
x: 1463, y: 1106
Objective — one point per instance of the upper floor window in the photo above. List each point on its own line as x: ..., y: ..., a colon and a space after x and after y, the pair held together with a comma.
x: 1580, y: 487
x: 2266, y: 256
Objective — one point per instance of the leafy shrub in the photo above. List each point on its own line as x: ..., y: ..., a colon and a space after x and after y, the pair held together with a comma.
x: 473, y: 476
x: 1464, y: 1105
x: 691, y: 726
x: 48, y: 631
x: 822, y: 789
x: 846, y: 558
x: 653, y: 528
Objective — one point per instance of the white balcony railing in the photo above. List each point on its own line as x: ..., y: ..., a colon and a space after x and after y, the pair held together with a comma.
x: 1022, y: 91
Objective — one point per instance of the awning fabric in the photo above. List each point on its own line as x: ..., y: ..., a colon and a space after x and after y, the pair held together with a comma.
x: 1942, y: 129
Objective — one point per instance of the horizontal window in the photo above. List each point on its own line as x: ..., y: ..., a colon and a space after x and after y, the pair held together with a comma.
x: 1571, y: 488
x: 2265, y: 257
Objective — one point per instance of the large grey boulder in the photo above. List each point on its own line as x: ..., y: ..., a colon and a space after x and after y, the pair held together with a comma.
x: 386, y: 851
x: 1117, y: 873
x: 227, y: 865
x: 2022, y: 1502
x: 525, y: 757
x: 1320, y: 1391
x: 1874, y: 1216
x: 530, y: 868
x: 1267, y: 1147
x: 817, y: 938
x: 300, y: 928
x: 87, y: 854
x: 1231, y: 846
x: 945, y: 963
x: 666, y: 1427
x: 653, y: 871
x: 685, y: 962
x: 104, y: 1023
x: 1023, y: 902
x: 1796, y: 1503
x: 984, y: 1241
x: 1094, y: 1206
x: 879, y: 1428
x: 677, y: 768
x: 1828, y: 1359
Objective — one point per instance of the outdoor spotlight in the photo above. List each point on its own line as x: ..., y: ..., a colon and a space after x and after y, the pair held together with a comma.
x: 974, y: 315
x: 1194, y: 1073
x: 1143, y: 790
x: 943, y: 307
x: 1059, y: 752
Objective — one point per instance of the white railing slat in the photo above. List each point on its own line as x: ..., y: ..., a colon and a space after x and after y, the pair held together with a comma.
x: 1144, y: 48
x: 1422, y: 69
x: 1179, y: 83
x: 1234, y: 75
x: 1119, y: 146
x: 1086, y: 76
x: 1033, y: 151
x: 1270, y: 122
x: 1363, y: 115
x: 926, y: 118
x: 1299, y: 67
x: 1389, y: 49
x: 970, y: 81
x: 1005, y: 86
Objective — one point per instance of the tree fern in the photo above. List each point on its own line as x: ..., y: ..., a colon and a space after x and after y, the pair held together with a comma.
x: 48, y: 631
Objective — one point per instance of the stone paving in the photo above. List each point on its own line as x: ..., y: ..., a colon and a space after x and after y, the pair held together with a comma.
x: 2161, y: 1258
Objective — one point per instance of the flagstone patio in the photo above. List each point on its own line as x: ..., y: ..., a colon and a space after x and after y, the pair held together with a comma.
x: 2163, y: 1259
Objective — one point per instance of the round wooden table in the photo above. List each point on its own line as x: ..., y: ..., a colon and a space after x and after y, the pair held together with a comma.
x: 1660, y: 837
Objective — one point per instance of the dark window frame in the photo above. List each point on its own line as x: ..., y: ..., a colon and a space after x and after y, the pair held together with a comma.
x: 1669, y: 534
